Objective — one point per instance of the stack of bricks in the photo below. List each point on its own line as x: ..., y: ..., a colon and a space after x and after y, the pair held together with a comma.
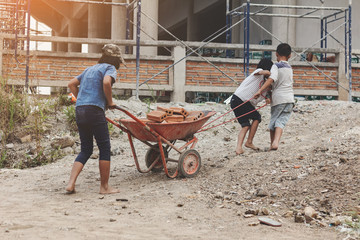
x: 173, y: 114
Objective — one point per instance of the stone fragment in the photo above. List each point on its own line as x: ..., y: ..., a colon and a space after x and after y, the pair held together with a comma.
x: 298, y: 218
x: 63, y: 142
x: 252, y: 224
x: 9, y: 146
x: 252, y: 211
x: 264, y: 211
x: 219, y: 195
x: 288, y: 214
x: 261, y: 193
x: 25, y: 139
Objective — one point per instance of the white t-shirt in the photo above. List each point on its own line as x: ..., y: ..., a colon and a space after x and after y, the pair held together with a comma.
x: 250, y: 86
x: 282, y: 88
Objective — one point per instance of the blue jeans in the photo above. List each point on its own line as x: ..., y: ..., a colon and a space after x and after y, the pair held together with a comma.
x: 92, y: 123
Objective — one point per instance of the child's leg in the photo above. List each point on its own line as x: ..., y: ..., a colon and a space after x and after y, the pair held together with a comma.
x: 272, y: 135
x: 104, y: 167
x: 75, y: 171
x: 241, y: 137
x: 276, y: 139
x: 253, y: 128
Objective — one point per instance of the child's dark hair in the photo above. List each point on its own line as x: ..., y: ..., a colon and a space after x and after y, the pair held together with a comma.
x: 115, y: 61
x: 265, y: 64
x: 283, y: 49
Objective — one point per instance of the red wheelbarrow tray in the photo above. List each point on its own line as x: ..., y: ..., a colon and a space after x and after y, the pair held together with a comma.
x: 169, y: 131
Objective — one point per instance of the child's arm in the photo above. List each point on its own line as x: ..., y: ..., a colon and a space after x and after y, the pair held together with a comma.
x: 73, y: 86
x: 266, y: 85
x: 266, y: 73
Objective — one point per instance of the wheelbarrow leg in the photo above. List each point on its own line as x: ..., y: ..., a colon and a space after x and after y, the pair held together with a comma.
x: 164, y: 161
x: 135, y: 156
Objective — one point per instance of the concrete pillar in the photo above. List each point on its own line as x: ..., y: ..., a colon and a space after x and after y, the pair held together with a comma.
x: 284, y: 28
x: 178, y: 94
x: 96, y: 25
x: 74, y: 30
x: 53, y: 44
x: 61, y: 46
x: 118, y: 22
x: 192, y: 23
x: 343, y: 94
x: 151, y: 9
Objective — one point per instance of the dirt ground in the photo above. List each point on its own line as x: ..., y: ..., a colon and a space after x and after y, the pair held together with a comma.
x: 316, y: 165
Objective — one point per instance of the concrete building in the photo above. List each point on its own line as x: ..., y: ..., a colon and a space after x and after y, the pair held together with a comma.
x: 79, y: 23
x: 191, y: 20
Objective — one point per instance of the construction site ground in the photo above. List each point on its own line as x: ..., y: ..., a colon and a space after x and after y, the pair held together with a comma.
x: 316, y: 165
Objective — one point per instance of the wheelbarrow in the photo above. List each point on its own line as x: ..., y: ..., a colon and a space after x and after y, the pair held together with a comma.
x: 161, y: 138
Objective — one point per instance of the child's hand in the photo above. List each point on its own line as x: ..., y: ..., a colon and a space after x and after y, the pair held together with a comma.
x: 257, y: 94
x: 268, y: 100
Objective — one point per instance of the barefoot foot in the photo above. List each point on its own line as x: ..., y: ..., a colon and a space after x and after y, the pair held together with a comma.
x: 239, y: 151
x: 108, y: 190
x: 274, y: 147
x: 252, y: 146
x: 70, y: 189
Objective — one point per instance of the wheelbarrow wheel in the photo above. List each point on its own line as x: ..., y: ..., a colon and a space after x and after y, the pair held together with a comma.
x: 151, y: 155
x: 189, y: 163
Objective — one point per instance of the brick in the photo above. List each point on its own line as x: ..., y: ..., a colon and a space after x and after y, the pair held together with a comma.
x: 197, y: 114
x: 175, y: 118
x: 168, y: 111
x: 190, y: 118
x: 178, y: 110
x: 156, y: 116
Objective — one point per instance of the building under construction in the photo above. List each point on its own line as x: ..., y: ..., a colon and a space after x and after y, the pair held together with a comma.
x: 183, y: 49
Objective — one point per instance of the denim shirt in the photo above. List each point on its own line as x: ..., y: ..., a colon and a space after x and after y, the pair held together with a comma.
x: 91, y: 90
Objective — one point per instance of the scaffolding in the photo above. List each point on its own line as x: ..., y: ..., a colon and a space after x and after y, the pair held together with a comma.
x: 334, y: 14
x: 15, y: 19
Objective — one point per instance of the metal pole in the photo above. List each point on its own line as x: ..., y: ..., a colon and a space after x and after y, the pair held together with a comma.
x: 346, y: 44
x: 127, y: 28
x: 247, y: 37
x: 321, y: 36
x: 228, y: 23
x: 27, y: 49
x: 326, y: 34
x: 138, y: 48
x: 350, y: 53
x: 245, y: 19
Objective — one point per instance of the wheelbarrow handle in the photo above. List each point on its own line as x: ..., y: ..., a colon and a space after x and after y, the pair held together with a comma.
x: 128, y: 113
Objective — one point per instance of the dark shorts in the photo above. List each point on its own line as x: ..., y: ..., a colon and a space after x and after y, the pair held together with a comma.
x: 92, y: 123
x: 245, y: 108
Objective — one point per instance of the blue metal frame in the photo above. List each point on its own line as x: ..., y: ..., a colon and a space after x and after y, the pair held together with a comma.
x: 247, y: 38
x: 350, y: 53
x: 138, y: 48
x: 324, y: 32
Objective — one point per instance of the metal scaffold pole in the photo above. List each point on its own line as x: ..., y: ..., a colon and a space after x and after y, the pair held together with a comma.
x: 247, y: 40
x: 228, y: 24
x: 350, y: 52
x: 138, y: 48
x: 27, y: 48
